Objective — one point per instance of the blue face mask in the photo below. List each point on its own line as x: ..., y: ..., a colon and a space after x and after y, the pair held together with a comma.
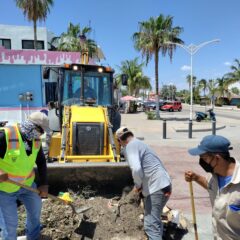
x: 207, y: 167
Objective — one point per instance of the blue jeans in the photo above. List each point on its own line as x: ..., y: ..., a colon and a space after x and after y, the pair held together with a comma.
x: 153, y: 206
x: 9, y: 216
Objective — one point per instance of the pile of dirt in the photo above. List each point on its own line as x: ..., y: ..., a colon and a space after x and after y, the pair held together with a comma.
x: 110, y: 217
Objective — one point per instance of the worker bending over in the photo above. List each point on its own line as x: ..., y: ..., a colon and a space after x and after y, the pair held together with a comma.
x: 150, y: 177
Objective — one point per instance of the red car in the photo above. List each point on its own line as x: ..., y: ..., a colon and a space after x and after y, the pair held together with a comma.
x: 172, y: 106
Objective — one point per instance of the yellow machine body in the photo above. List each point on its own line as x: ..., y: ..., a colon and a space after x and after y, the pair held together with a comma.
x: 55, y: 145
x: 83, y: 114
x: 84, y: 145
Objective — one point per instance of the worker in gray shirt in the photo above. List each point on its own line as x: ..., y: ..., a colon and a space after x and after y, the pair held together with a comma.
x: 150, y: 178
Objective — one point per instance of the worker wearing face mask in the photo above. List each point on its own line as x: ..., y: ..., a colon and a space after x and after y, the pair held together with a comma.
x: 223, y: 185
x: 20, y: 150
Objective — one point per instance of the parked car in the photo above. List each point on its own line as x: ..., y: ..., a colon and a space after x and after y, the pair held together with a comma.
x: 149, y: 105
x: 161, y: 103
x: 172, y: 106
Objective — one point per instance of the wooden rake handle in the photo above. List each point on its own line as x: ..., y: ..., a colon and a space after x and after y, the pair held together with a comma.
x: 74, y: 209
x: 193, y: 210
x: 36, y: 191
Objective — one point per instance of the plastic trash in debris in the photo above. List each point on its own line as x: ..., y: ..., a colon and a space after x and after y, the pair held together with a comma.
x: 141, y: 217
x: 175, y: 214
x: 65, y: 196
x: 22, y: 238
x: 174, y: 224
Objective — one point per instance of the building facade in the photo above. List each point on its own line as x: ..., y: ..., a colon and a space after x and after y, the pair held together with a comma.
x: 21, y: 70
x: 21, y: 37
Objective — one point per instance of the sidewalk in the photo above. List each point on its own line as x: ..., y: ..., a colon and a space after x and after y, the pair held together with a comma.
x: 225, y: 107
x: 203, y: 126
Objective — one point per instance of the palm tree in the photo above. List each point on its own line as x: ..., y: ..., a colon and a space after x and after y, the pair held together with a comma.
x: 195, y: 90
x: 153, y: 38
x: 136, y: 78
x: 184, y: 94
x: 75, y: 39
x: 212, y: 89
x: 234, y: 76
x: 143, y: 83
x: 196, y: 93
x: 194, y: 79
x: 235, y: 90
x: 35, y: 10
x: 202, y: 84
x: 222, y: 87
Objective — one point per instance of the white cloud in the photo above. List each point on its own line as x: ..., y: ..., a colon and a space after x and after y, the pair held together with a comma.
x: 227, y: 64
x: 235, y: 85
x: 185, y: 68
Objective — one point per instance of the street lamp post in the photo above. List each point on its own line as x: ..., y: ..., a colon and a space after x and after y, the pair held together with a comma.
x: 192, y: 49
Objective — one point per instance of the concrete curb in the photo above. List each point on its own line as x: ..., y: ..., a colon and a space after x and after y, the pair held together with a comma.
x: 224, y: 107
x: 175, y: 119
x: 200, y: 129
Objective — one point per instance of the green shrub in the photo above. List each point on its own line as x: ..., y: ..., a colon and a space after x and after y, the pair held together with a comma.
x: 238, y: 106
x: 219, y: 102
x: 151, y: 115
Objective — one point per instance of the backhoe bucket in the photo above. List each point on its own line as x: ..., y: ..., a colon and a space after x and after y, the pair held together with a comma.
x: 103, y: 177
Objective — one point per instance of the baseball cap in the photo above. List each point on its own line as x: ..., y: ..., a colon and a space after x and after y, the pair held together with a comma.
x: 39, y: 119
x: 212, y: 144
x: 121, y: 131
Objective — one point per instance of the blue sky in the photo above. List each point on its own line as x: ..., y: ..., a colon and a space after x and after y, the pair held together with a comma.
x: 114, y: 23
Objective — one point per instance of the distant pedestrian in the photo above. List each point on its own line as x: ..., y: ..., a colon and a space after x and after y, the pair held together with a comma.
x: 116, y: 118
x: 150, y: 178
x: 51, y: 105
x: 45, y: 111
x: 51, y: 113
x: 223, y: 186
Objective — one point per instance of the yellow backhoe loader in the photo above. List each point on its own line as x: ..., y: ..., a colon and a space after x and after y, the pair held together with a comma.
x: 85, y: 148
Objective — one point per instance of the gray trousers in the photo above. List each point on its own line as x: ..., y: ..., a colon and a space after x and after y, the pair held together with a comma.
x: 153, y: 206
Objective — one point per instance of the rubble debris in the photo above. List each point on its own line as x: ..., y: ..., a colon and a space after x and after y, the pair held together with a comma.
x: 110, y: 218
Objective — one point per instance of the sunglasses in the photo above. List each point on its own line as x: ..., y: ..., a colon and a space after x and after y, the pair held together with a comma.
x: 39, y: 129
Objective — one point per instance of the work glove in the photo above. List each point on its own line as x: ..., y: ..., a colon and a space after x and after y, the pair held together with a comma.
x: 3, y: 176
x: 43, y: 191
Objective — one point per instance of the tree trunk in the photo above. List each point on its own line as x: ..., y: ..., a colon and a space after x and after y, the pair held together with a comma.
x: 35, y: 34
x: 156, y: 82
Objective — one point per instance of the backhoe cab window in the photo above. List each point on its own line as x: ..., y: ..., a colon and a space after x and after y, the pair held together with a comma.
x: 97, y: 86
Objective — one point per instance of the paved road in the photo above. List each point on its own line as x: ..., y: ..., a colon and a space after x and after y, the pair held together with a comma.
x: 173, y: 151
x: 225, y: 112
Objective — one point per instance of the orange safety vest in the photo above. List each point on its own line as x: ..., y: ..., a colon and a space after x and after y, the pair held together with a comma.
x: 16, y: 163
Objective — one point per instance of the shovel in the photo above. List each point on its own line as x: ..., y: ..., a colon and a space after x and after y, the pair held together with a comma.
x: 74, y: 209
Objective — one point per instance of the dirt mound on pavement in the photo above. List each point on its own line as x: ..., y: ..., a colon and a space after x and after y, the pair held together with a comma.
x: 109, y: 218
